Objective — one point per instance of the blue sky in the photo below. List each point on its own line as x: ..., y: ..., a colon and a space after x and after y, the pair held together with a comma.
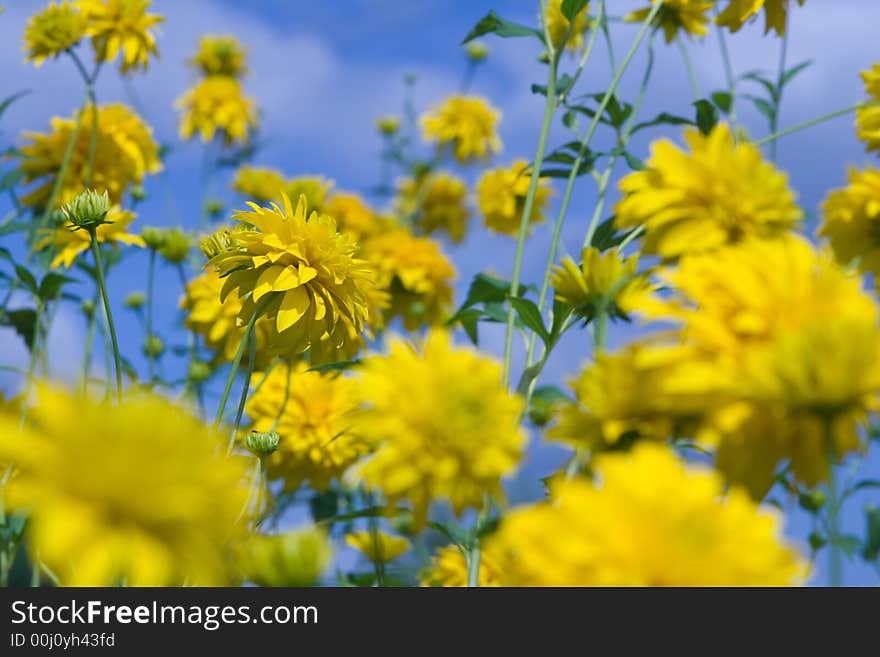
x: 323, y: 71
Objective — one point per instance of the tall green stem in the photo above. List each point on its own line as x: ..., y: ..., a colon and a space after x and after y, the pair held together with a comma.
x: 689, y: 67
x: 813, y: 122
x: 774, y: 118
x: 102, y: 286
x: 245, y: 388
x: 90, y: 343
x: 728, y: 72
x: 32, y: 365
x: 151, y: 274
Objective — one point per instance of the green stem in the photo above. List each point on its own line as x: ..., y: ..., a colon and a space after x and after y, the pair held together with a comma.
x: 600, y: 330
x: 102, y: 286
x: 245, y: 388
x: 90, y: 343
x: 813, y: 122
x: 835, y: 562
x: 32, y: 366
x: 151, y: 272
x: 774, y: 118
x: 689, y: 67
x: 728, y: 72
x: 473, y: 555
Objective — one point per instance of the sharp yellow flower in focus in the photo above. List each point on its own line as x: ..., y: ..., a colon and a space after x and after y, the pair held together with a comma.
x: 414, y: 271
x: 122, y: 26
x: 135, y: 492
x: 852, y: 221
x: 125, y: 152
x: 300, y: 270
x: 468, y: 124
x: 53, y: 30
x: 738, y: 12
x: 68, y: 242
x: 436, y: 203
x: 295, y: 558
x: 648, y: 391
x: 443, y: 425
x: 260, y: 184
x: 315, y: 415
x: 379, y: 548
x: 449, y: 569
x: 868, y: 118
x: 650, y: 520
x: 220, y: 55
x: 721, y: 192
x: 557, y: 26
x: 501, y: 196
x: 601, y: 279
x: 676, y: 16
x: 217, y: 104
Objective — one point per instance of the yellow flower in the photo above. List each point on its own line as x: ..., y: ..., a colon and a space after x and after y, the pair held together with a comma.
x: 852, y: 220
x: 467, y: 123
x: 353, y: 215
x: 52, y: 31
x: 69, y: 242
x: 217, y: 104
x: 651, y: 520
x: 868, y: 118
x: 689, y: 16
x: 647, y: 390
x: 558, y: 25
x: 436, y: 202
x: 121, y: 26
x: 125, y: 152
x: 415, y: 273
x: 296, y: 558
x: 738, y: 12
x: 134, y: 492
x: 303, y: 274
x: 314, y: 414
x: 260, y: 184
x: 501, y: 196
x: 719, y: 193
x: 380, y: 547
x: 449, y: 568
x: 220, y: 55
x: 314, y: 188
x: 599, y: 275
x: 443, y: 425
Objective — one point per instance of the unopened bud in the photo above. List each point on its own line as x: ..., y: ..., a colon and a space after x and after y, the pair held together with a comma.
x: 262, y: 443
x: 153, y: 346
x: 213, y: 208
x: 477, y: 51
x: 137, y: 193
x: 388, y: 125
x: 88, y: 307
x: 135, y: 300
x: 88, y: 210
x: 176, y: 246
x: 153, y: 237
x: 198, y: 371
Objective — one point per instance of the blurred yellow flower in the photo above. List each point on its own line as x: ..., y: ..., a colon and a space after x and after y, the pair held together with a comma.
x: 558, y: 25
x: 688, y: 16
x: 647, y: 390
x: 217, y: 104
x: 388, y: 125
x: 852, y: 221
x: 295, y: 558
x: 586, y: 286
x: 868, y: 118
x: 435, y: 203
x: 67, y: 242
x: 650, y: 520
x: 738, y: 12
x: 414, y: 271
x: 260, y: 184
x: 53, y: 30
x: 379, y: 547
x: 299, y: 269
x: 467, y: 123
x: 443, y: 425
x: 353, y: 215
x: 121, y: 26
x: 135, y: 492
x: 125, y: 152
x: 220, y: 55
x: 314, y: 414
x: 720, y: 192
x: 501, y: 196
x: 315, y: 189
x: 449, y: 569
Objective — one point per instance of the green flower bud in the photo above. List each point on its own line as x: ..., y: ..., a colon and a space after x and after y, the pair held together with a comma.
x: 813, y: 501
x: 88, y: 210
x: 388, y: 125
x: 153, y: 346
x: 176, y: 246
x: 153, y: 237
x: 137, y: 193
x: 57, y: 218
x: 222, y: 240
x: 213, y: 208
x: 477, y: 51
x: 135, y: 300
x: 198, y: 371
x: 262, y: 443
x: 88, y: 307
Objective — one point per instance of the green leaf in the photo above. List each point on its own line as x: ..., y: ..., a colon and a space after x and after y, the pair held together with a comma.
x: 545, y: 399
x: 762, y: 106
x: 11, y: 99
x: 491, y: 23
x: 339, y: 366
x: 755, y: 76
x: 871, y: 546
x: 867, y: 483
x: 529, y: 315
x: 50, y: 286
x: 571, y: 8
x: 10, y: 179
x: 707, y: 115
x: 24, y: 321
x: 850, y: 544
x: 486, y: 288
x: 561, y: 312
x: 12, y: 227
x: 791, y: 73
x: 324, y: 505
x: 469, y: 319
x: 26, y: 278
x: 661, y: 119
x: 606, y: 235
x: 723, y: 100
